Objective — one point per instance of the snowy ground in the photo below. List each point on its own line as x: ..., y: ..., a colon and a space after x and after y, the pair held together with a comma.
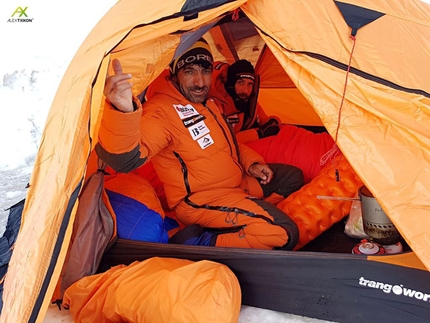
x: 247, y: 315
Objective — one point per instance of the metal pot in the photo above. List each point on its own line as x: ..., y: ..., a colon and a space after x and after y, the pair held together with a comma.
x: 376, y: 223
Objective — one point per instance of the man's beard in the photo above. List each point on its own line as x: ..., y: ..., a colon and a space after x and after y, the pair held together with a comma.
x: 243, y: 97
x: 196, y: 98
x: 241, y: 105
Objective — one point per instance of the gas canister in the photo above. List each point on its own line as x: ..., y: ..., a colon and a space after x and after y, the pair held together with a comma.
x: 366, y: 247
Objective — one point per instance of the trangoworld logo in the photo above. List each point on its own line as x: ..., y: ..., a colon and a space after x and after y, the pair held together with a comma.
x: 20, y: 15
x: 398, y: 290
x: 188, y: 122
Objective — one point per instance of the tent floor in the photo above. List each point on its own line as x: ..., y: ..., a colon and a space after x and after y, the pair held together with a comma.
x: 335, y: 240
x: 319, y: 281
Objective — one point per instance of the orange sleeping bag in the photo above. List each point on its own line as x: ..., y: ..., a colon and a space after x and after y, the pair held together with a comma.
x: 295, y: 146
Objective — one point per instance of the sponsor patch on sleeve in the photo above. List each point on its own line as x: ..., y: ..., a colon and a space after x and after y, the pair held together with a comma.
x: 205, y: 141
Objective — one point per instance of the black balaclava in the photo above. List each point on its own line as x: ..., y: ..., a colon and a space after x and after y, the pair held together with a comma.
x: 240, y: 69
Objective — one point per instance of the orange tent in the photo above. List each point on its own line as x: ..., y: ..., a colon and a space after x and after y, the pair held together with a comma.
x: 360, y: 68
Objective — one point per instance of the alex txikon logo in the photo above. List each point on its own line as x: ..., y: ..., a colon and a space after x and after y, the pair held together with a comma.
x: 20, y: 15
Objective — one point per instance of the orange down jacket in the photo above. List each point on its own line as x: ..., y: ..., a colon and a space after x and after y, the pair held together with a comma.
x: 199, y: 162
x: 173, y: 132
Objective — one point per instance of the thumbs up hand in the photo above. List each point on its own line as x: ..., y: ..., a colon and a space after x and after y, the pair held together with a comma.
x: 118, y: 88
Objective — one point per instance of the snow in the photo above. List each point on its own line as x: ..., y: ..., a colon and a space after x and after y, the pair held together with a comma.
x: 31, y: 68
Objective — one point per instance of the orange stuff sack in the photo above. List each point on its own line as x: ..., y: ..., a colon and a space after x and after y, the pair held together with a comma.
x: 147, y: 171
x: 157, y: 290
x: 313, y: 215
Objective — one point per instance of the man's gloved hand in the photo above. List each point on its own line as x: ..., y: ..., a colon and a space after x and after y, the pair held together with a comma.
x: 270, y: 128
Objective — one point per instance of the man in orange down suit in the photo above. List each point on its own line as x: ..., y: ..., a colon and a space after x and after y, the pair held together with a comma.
x: 236, y: 89
x: 214, y: 184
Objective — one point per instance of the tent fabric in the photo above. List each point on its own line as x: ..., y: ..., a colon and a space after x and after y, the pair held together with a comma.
x: 357, y: 17
x: 94, y: 229
x: 379, y: 112
x: 157, y: 290
x: 279, y: 95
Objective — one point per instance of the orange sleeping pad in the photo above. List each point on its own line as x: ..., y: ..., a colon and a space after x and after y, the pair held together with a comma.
x: 313, y: 215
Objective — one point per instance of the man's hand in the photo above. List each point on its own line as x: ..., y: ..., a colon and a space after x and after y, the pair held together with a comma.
x: 118, y: 88
x: 262, y: 172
